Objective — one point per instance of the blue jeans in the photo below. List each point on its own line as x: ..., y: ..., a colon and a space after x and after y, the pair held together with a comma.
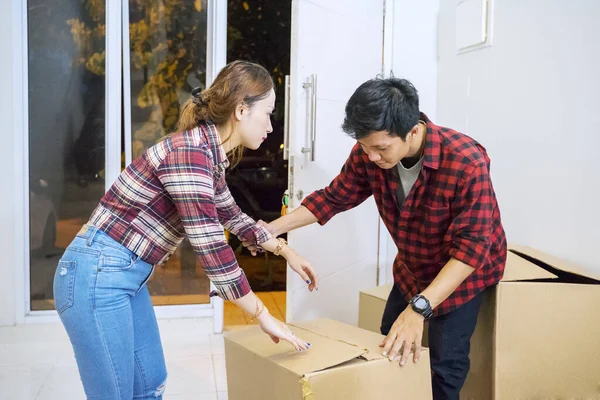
x: 101, y: 296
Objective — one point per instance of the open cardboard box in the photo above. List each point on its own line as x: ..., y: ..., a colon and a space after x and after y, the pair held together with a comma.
x: 538, y: 332
x: 344, y: 362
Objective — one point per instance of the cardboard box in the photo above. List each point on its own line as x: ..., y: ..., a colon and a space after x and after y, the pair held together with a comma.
x: 538, y: 332
x: 344, y: 362
x: 371, y: 303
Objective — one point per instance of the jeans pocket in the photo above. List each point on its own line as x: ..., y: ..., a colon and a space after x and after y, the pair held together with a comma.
x: 145, y: 281
x: 64, y: 285
x: 114, y: 260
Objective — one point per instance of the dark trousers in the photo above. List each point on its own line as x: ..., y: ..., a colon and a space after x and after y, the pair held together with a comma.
x: 449, y: 342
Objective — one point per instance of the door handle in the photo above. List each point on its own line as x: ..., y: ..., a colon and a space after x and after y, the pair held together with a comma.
x: 312, y: 84
x: 286, y: 120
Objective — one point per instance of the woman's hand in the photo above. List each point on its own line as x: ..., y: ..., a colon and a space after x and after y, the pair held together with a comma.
x: 280, y: 331
x: 302, y: 267
x: 276, y: 329
x: 299, y: 264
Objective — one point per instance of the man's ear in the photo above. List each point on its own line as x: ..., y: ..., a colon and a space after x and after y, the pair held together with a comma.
x: 415, y: 129
x: 412, y: 133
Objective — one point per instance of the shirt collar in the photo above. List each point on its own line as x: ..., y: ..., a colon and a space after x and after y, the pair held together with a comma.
x: 433, y: 143
x: 210, y: 134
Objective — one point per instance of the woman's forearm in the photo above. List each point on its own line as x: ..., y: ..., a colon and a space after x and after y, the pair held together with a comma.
x: 272, y: 244
x: 252, y: 305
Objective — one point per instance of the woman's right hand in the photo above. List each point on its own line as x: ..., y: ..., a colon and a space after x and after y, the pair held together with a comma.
x: 277, y: 330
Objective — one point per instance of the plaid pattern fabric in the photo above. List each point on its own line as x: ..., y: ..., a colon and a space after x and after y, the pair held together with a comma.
x: 451, y: 211
x: 177, y: 188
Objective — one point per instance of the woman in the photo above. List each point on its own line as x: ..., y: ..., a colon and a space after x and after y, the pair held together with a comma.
x: 175, y: 188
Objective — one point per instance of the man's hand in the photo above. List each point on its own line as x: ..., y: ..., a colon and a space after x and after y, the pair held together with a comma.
x: 254, y: 249
x: 406, y: 334
x: 296, y: 219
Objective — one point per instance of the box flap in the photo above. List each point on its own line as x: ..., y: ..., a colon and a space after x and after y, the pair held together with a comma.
x: 519, y: 269
x: 327, y: 350
x: 563, y: 269
x: 379, y: 292
x: 353, y: 336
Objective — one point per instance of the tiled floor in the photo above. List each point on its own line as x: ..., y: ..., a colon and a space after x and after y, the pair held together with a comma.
x: 36, y: 361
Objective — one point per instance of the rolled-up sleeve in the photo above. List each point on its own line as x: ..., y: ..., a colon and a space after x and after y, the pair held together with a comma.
x: 187, y: 175
x: 472, y: 210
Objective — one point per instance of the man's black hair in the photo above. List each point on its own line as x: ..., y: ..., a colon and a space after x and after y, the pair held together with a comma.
x: 390, y: 105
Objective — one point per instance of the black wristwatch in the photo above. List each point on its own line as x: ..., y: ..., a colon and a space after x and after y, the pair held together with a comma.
x: 420, y: 304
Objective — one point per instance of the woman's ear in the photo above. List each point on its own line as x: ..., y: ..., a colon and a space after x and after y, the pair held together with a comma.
x: 241, y: 111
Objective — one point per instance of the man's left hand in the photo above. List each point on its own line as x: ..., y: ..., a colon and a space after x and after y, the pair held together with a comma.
x: 254, y: 249
x: 406, y: 334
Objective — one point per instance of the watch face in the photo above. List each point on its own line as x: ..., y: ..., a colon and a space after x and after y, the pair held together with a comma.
x: 421, y: 303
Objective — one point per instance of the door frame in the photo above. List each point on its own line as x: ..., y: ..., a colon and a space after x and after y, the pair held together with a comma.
x: 117, y: 16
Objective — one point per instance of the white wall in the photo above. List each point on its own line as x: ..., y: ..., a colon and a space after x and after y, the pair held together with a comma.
x: 533, y: 100
x: 413, y: 43
x: 7, y: 162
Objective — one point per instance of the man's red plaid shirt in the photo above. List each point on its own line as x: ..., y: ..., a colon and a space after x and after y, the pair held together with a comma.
x: 451, y: 211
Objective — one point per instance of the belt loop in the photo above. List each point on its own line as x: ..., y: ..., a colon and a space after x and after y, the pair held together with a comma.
x: 92, y: 235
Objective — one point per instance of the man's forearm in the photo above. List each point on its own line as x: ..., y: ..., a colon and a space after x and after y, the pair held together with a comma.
x: 294, y: 220
x: 446, y: 282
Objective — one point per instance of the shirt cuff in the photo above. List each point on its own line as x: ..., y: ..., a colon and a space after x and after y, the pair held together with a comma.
x: 261, y: 235
x: 235, y: 290
x: 318, y: 206
x: 474, y: 253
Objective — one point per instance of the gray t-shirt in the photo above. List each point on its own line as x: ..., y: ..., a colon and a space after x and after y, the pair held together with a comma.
x: 408, y: 177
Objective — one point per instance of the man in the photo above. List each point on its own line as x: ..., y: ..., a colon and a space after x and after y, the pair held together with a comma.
x: 433, y: 190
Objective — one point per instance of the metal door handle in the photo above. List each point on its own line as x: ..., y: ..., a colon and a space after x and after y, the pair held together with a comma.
x: 313, y: 116
x: 286, y: 120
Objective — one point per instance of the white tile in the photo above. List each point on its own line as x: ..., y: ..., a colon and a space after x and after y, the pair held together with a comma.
x: 222, y: 396
x: 29, y: 353
x: 23, y: 383
x: 191, y: 375
x: 33, y: 333
x: 185, y: 327
x: 38, y: 363
x: 192, y: 396
x: 217, y: 344
x: 186, y: 347
x: 220, y: 372
x: 63, y: 383
x: 67, y: 359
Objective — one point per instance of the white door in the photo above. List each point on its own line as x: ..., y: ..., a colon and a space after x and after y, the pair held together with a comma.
x: 338, y: 45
